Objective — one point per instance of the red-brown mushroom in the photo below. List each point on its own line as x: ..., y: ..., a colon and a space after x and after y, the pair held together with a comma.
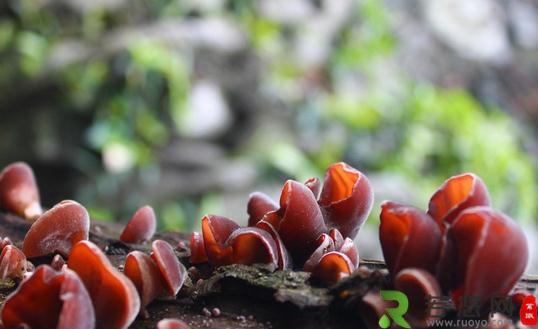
x: 173, y: 272
x: 299, y: 221
x: 419, y: 285
x: 57, y: 230
x: 155, y: 275
x: 13, y: 263
x: 49, y: 300
x: 332, y: 267
x: 19, y: 192
x: 172, y: 324
x: 215, y: 232
x: 346, y: 198
x: 141, y: 227
x: 258, y: 205
x: 455, y: 195
x: 409, y: 238
x: 197, y: 247
x: 284, y: 258
x: 113, y: 295
x: 486, y: 254
x: 145, y: 275
x: 253, y: 245
x: 325, y: 245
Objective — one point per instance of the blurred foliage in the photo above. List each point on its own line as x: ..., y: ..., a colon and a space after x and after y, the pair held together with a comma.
x: 347, y: 109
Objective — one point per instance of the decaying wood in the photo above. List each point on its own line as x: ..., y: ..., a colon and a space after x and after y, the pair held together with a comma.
x: 246, y: 296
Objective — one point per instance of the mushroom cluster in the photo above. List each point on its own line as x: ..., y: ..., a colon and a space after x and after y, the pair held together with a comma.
x: 312, y: 227
x: 80, y: 289
x: 460, y: 246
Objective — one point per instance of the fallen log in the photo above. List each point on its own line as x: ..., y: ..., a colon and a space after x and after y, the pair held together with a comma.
x: 238, y: 296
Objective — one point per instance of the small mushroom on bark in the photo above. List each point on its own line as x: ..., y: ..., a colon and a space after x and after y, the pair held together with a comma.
x: 371, y: 308
x: 215, y: 232
x: 57, y: 230
x: 197, y: 247
x: 173, y: 272
x: 419, y: 285
x: 325, y: 245
x: 332, y: 267
x: 155, y: 275
x: 299, y: 221
x: 258, y: 205
x: 284, y: 258
x: 13, y: 263
x: 252, y: 245
x: 113, y: 295
x: 406, y: 233
x: 19, y: 193
x: 455, y: 195
x: 346, y: 199
x: 486, y: 254
x: 333, y: 259
x: 141, y: 227
x: 145, y: 275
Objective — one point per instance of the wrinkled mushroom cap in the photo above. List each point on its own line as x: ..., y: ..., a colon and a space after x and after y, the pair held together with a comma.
x: 57, y: 230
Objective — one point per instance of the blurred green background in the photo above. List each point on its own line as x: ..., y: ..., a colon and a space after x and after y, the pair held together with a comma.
x: 190, y: 105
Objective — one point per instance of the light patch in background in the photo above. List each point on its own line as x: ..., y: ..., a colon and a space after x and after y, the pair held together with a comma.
x: 207, y: 114
x: 474, y: 28
x: 118, y: 158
